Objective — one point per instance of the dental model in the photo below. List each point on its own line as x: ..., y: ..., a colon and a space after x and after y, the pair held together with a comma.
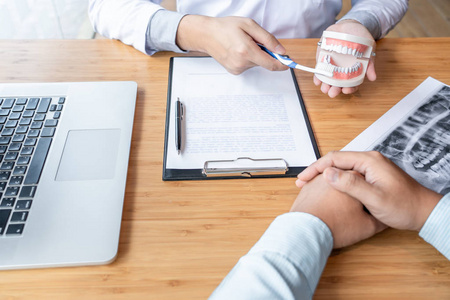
x: 348, y: 57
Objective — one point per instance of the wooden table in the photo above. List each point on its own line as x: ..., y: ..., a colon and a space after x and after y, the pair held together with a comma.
x: 179, y: 239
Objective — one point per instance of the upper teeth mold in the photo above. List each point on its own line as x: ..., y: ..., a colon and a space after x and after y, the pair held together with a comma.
x: 349, y: 54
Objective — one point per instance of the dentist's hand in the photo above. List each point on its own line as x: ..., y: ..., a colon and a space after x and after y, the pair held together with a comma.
x: 391, y: 195
x: 354, y: 28
x: 231, y: 41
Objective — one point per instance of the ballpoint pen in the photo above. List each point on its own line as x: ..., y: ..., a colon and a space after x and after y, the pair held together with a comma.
x: 179, y: 113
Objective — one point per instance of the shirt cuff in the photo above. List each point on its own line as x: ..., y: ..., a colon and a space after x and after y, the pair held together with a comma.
x: 367, y: 19
x: 162, y: 32
x: 305, y: 240
x: 436, y: 229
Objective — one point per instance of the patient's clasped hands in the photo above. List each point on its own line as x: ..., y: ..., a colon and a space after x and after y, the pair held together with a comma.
x: 336, y: 187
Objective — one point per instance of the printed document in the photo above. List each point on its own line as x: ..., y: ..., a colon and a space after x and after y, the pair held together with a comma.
x: 256, y: 114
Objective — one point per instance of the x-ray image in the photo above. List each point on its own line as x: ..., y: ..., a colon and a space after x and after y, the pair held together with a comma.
x: 421, y: 144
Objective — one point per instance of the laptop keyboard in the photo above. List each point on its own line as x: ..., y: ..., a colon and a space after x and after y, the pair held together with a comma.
x: 27, y: 127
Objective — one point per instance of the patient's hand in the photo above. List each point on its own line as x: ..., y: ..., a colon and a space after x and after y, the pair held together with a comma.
x: 354, y: 28
x: 344, y: 215
x: 391, y: 195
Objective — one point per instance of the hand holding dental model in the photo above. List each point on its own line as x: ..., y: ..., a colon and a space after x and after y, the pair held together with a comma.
x: 237, y: 50
x: 350, y: 68
x: 229, y: 30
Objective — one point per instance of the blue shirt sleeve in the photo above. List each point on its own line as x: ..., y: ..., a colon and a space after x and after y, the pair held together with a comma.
x: 436, y: 229
x: 286, y: 263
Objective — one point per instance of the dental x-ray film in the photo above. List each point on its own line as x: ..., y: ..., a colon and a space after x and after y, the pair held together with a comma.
x: 349, y: 54
x: 418, y: 135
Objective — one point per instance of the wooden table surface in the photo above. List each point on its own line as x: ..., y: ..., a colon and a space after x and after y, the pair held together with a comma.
x: 179, y: 239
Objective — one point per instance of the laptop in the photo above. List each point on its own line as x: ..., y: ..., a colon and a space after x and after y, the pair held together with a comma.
x: 64, y: 150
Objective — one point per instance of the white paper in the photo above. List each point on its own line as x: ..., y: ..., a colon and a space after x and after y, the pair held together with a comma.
x: 415, y: 135
x: 256, y: 114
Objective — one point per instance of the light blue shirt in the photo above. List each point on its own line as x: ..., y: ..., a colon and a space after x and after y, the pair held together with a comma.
x: 436, y: 229
x: 286, y: 263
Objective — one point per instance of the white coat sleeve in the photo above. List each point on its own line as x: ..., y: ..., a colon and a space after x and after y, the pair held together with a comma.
x: 286, y: 263
x: 125, y: 20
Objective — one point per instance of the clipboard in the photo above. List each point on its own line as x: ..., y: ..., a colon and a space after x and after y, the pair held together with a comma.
x: 234, y: 167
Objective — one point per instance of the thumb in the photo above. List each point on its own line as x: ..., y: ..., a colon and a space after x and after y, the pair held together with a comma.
x: 351, y: 183
x: 370, y: 73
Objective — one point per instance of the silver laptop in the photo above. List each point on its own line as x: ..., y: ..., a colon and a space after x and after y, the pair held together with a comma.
x: 64, y: 150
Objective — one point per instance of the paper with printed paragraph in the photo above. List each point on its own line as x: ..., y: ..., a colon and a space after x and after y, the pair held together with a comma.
x: 256, y: 114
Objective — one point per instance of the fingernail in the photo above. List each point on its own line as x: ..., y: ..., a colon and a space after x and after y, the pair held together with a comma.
x: 280, y: 49
x: 331, y: 175
x: 299, y: 183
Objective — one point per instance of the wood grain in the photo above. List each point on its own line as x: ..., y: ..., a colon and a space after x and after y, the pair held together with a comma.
x: 179, y: 239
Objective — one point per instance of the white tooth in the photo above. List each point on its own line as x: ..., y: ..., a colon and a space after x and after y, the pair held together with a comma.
x: 349, y: 51
x: 335, y: 48
x: 425, y: 161
x: 344, y: 50
x: 354, y: 52
x: 341, y: 70
x: 339, y: 49
x: 346, y: 70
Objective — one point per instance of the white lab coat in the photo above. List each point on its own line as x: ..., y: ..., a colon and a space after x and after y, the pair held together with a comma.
x: 127, y: 20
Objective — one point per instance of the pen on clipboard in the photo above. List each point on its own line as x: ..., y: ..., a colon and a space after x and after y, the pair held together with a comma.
x: 179, y: 115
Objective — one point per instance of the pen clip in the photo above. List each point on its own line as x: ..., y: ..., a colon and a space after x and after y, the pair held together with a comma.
x: 181, y: 111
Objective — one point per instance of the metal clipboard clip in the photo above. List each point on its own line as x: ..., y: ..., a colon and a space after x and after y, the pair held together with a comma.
x: 245, y: 167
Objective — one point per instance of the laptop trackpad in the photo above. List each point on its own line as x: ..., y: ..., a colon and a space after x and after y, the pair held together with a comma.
x: 89, y: 155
